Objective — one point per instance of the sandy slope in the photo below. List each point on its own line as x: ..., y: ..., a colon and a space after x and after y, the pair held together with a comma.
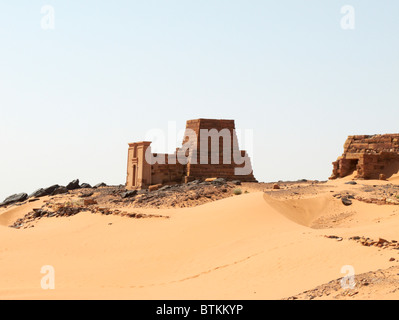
x: 251, y: 246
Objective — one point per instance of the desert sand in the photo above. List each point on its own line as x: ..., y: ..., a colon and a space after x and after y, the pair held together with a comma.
x: 263, y: 244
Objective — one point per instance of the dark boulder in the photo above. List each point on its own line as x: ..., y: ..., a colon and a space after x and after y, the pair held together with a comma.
x: 99, y: 185
x: 346, y: 201
x: 85, y: 186
x: 38, y: 193
x: 219, y: 181
x: 129, y: 194
x: 351, y: 182
x: 60, y: 190
x: 14, y: 199
x: 85, y: 195
x: 51, y: 189
x: 73, y: 185
x: 236, y: 182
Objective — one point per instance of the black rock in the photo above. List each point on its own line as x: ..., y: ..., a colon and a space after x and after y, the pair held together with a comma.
x: 99, y: 185
x: 38, y: 193
x: 129, y: 194
x: 351, y: 182
x: 51, y: 189
x: 60, y: 190
x: 85, y: 186
x: 73, y: 185
x: 346, y: 201
x: 236, y: 182
x: 165, y: 188
x: 219, y: 181
x: 86, y: 195
x: 39, y: 213
x: 178, y: 188
x: 14, y: 198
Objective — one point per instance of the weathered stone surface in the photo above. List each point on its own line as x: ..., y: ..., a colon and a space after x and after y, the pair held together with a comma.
x: 86, y: 194
x: 60, y: 190
x: 88, y: 202
x: 73, y: 185
x: 51, y: 189
x: 219, y: 181
x: 99, y: 185
x: 368, y: 156
x: 168, y: 187
x: 154, y: 187
x: 129, y: 194
x: 38, y: 193
x: 14, y: 199
x: 85, y: 186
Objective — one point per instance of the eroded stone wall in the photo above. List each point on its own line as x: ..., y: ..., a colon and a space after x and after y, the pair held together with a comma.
x: 371, y: 157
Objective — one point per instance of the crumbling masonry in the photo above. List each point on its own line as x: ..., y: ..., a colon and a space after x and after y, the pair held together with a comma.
x: 372, y: 157
x: 142, y: 173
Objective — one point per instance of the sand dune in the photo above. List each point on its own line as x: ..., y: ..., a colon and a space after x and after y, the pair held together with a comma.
x: 7, y: 216
x: 301, y: 211
x: 252, y: 246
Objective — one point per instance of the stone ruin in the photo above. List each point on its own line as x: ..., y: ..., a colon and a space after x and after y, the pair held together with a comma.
x: 143, y: 171
x: 369, y: 157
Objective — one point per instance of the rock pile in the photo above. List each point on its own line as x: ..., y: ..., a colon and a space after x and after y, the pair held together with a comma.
x: 180, y: 195
x: 68, y: 210
x: 49, y: 191
x: 379, y: 201
x: 381, y: 243
x: 368, y: 242
x: 14, y: 199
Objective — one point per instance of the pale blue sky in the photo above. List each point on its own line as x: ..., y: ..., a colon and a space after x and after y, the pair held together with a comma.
x: 73, y: 97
